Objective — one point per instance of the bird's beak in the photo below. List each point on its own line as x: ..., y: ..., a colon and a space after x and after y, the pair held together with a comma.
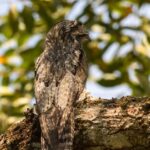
x: 87, y: 36
x: 84, y: 36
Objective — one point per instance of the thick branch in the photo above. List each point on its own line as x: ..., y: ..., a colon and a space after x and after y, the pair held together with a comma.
x: 100, y: 124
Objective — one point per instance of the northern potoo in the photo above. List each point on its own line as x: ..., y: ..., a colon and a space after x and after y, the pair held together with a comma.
x: 60, y: 76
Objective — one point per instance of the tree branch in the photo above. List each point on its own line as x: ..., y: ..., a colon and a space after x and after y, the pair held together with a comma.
x: 100, y: 124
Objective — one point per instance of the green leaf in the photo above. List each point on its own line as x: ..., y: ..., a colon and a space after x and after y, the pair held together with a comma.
x: 27, y: 16
x: 13, y: 19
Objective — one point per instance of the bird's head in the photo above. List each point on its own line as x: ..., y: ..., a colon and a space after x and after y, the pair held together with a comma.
x: 74, y: 29
x: 68, y: 30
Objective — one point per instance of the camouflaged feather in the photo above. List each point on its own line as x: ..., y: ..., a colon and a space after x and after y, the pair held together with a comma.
x: 61, y: 73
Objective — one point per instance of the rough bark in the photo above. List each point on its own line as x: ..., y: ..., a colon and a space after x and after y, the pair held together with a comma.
x: 100, y: 125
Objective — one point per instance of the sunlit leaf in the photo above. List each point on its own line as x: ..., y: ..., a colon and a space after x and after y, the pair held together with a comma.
x: 5, y: 90
x: 13, y: 18
x: 28, y: 18
x: 2, y: 59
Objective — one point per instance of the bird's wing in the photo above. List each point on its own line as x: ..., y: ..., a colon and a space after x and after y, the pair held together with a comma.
x: 57, y: 123
x: 44, y: 84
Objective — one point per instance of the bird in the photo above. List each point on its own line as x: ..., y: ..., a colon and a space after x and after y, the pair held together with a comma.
x: 60, y: 77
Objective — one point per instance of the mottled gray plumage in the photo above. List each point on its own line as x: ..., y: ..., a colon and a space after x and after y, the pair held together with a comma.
x: 60, y: 76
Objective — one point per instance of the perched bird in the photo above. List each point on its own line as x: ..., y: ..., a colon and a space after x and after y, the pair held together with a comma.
x: 60, y: 76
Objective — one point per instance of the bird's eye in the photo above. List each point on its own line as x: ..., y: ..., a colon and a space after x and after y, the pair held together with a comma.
x: 76, y: 26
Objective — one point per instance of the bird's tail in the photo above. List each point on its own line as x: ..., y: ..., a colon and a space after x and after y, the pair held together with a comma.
x: 66, y: 130
x: 57, y: 132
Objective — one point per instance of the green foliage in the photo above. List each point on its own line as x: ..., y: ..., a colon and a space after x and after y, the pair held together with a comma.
x: 23, y: 31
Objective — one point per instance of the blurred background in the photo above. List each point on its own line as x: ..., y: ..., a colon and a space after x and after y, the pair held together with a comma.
x: 118, y: 54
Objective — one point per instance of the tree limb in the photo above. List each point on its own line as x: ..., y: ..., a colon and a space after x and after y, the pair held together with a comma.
x: 100, y: 125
